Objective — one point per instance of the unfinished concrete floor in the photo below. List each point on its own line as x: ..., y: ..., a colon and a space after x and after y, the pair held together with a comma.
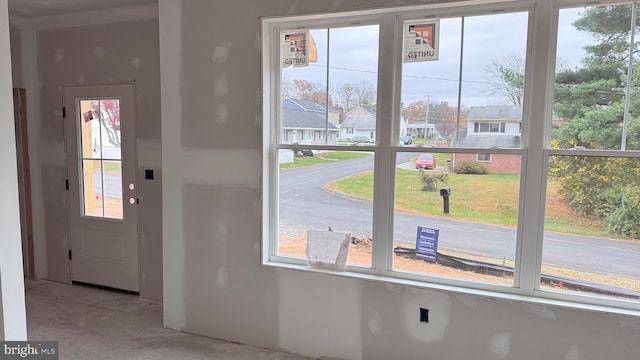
x: 92, y: 323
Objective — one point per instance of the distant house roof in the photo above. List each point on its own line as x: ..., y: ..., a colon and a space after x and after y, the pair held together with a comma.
x: 503, y: 113
x: 366, y: 109
x: 305, y: 105
x: 299, y: 119
x: 370, y: 108
x: 360, y: 122
x: 492, y: 113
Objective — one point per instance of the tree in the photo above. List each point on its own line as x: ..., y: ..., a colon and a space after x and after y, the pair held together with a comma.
x: 365, y: 93
x: 347, y: 96
x: 591, y: 100
x: 507, y: 78
x: 306, y: 90
x: 108, y: 112
x: 356, y: 93
x: 442, y: 115
x: 448, y: 124
x: 413, y: 112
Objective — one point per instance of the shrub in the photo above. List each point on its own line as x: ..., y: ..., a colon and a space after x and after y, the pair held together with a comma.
x: 470, y: 167
x: 624, y: 218
x: 612, y: 194
x: 430, y: 179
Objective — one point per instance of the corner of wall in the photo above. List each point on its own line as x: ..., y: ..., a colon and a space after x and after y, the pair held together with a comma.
x: 12, y: 284
x: 1, y: 317
x: 173, y: 245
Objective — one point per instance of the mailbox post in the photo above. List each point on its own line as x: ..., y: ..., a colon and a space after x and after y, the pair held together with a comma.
x: 445, y: 191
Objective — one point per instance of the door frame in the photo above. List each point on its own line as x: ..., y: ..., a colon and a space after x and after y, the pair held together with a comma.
x: 24, y: 181
x: 134, y: 176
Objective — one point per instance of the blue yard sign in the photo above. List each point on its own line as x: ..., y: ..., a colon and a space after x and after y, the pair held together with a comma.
x: 427, y: 244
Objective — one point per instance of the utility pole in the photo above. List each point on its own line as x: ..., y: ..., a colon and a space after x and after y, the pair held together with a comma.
x: 426, y: 116
x: 625, y: 123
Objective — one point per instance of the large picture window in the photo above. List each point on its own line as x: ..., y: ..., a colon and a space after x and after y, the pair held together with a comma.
x: 441, y: 159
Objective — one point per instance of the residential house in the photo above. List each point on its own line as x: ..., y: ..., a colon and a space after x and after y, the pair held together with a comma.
x: 304, y: 120
x: 310, y: 106
x: 492, y: 126
x: 416, y: 129
x: 359, y: 121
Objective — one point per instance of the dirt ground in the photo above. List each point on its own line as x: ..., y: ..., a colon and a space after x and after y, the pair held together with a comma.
x: 360, y: 253
x: 113, y: 207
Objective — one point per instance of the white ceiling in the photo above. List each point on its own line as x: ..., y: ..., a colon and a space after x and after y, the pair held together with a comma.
x: 35, y: 8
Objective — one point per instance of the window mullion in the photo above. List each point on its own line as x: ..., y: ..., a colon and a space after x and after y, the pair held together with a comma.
x: 384, y: 162
x: 539, y: 80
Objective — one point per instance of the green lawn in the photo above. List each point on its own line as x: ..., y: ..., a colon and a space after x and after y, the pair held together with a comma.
x: 491, y: 199
x: 421, y: 141
x: 112, y: 167
x: 322, y: 158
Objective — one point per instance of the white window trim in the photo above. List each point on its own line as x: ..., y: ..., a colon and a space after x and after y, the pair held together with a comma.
x: 540, y: 72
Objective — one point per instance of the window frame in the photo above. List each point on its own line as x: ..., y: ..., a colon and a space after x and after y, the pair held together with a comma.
x: 535, y: 134
x: 501, y: 127
x: 484, y: 161
x: 308, y: 135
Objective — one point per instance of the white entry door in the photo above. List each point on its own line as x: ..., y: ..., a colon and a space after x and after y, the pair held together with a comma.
x: 101, y: 154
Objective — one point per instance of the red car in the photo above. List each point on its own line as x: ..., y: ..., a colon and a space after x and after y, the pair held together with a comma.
x: 426, y: 161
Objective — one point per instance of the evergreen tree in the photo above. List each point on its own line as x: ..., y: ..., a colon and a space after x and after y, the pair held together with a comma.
x: 590, y: 100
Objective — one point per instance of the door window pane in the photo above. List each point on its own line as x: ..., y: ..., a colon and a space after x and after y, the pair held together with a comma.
x: 101, y: 157
x: 90, y: 140
x: 112, y: 175
x: 108, y: 111
x: 92, y: 188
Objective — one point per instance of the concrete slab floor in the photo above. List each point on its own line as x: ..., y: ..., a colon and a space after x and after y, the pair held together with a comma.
x: 91, y: 323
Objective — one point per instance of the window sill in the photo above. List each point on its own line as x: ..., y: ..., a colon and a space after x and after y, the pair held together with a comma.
x: 487, y: 294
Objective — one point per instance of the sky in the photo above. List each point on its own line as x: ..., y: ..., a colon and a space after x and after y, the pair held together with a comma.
x: 353, y: 56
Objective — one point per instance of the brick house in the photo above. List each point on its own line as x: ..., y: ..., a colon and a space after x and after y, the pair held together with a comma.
x: 492, y: 126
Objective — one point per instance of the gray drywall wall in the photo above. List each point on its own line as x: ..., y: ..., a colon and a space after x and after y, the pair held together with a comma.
x: 124, y: 51
x: 214, y: 284
x: 1, y: 311
x: 16, y: 57
x: 12, y: 308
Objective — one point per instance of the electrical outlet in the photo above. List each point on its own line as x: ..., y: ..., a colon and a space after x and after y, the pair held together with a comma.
x: 424, y: 315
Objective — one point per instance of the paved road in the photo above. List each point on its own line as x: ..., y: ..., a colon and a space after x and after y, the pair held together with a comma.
x: 112, y: 184
x: 305, y: 204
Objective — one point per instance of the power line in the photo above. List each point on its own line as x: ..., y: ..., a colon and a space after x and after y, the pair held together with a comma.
x: 405, y: 75
x: 456, y: 80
